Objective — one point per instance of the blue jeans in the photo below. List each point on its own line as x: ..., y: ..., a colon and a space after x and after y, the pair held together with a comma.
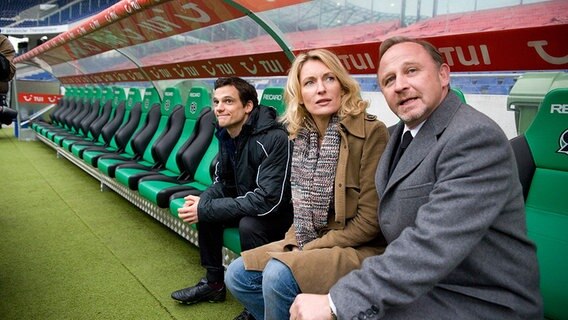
x: 267, y: 294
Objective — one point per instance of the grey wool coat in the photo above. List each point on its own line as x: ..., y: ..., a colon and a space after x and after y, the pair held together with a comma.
x: 352, y: 234
x: 453, y: 215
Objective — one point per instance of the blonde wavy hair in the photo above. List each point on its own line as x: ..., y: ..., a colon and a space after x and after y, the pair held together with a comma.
x: 297, y: 116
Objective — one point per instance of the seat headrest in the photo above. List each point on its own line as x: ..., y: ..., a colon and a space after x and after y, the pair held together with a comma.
x: 459, y: 93
x: 151, y: 97
x: 119, y: 96
x: 274, y: 97
x: 171, y: 99
x: 88, y: 94
x: 70, y: 91
x: 198, y: 99
x: 107, y: 94
x: 547, y: 135
x: 97, y: 93
x: 133, y: 98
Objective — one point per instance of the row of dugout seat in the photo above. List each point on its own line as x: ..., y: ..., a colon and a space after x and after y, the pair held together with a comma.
x: 152, y: 151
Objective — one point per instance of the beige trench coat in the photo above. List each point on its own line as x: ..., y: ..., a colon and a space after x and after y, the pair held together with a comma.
x: 353, y: 233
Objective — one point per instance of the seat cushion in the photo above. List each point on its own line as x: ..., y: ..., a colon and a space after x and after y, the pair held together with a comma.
x: 547, y: 223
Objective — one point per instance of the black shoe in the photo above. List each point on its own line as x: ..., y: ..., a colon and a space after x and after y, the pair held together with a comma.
x: 245, y: 315
x: 200, y: 292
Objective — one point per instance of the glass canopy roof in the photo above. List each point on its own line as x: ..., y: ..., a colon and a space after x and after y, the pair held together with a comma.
x: 155, y: 40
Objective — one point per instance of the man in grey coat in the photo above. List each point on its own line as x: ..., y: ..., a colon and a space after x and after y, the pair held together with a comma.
x: 451, y: 210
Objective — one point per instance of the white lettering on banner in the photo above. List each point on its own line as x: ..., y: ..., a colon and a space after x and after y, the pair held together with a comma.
x: 158, y: 24
x: 202, y: 15
x: 224, y: 68
x: 251, y: 71
x: 271, y: 66
x: 184, y: 72
x: 210, y: 71
x: 539, y: 47
x: 130, y: 6
x: 474, y: 59
x: 363, y: 61
x: 195, y: 94
x: 559, y: 108
x: 179, y: 71
x: 111, y: 16
x: 273, y: 97
x: 160, y: 73
x: 169, y: 94
x: 94, y: 24
x: 134, y: 75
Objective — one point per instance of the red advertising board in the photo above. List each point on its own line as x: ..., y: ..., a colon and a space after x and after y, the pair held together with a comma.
x: 540, y: 48
x: 38, y: 98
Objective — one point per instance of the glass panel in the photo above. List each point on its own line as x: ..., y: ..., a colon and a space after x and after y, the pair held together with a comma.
x: 172, y: 40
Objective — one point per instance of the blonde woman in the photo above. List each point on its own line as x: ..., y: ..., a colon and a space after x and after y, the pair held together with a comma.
x: 337, y: 146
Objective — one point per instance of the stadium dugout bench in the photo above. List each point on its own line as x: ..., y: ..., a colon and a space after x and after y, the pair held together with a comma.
x: 114, y: 121
x: 142, y: 147
x: 182, y: 129
x: 119, y: 141
x: 87, y: 109
x: 190, y: 168
x: 95, y: 128
x: 135, y: 146
x: 542, y: 159
x: 65, y: 124
x: 41, y: 126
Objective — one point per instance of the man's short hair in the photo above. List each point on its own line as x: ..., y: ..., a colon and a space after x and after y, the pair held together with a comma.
x: 434, y: 53
x: 246, y: 91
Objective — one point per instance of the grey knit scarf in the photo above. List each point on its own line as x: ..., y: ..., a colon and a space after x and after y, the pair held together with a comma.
x: 313, y: 172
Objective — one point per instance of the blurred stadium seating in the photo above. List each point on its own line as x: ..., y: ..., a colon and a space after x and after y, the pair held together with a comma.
x: 40, y: 13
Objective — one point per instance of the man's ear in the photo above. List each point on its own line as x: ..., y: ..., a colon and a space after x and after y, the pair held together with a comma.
x: 248, y: 106
x: 444, y: 74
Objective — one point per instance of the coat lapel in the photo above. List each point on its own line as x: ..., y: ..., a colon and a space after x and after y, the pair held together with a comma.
x: 421, y: 145
x: 381, y: 177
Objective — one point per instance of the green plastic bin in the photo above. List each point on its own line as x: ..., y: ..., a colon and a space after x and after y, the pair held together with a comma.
x: 529, y: 91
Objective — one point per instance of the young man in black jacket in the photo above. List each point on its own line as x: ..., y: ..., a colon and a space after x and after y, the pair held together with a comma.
x: 251, y: 188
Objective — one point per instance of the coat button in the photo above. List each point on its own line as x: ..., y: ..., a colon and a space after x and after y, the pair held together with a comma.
x: 375, y: 309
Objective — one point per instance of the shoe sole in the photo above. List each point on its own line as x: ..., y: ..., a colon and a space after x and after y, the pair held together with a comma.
x: 214, y: 300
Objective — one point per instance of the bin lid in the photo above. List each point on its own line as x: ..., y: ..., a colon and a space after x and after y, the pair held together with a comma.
x: 531, y: 87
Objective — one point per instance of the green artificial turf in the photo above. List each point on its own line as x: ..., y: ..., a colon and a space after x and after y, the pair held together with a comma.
x: 70, y: 251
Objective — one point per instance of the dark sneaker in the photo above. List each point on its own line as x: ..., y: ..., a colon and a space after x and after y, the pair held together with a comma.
x: 200, y: 292
x: 245, y: 315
